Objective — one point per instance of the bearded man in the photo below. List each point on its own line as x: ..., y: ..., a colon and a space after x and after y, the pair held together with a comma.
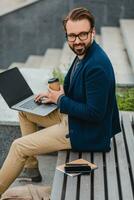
x: 87, y: 115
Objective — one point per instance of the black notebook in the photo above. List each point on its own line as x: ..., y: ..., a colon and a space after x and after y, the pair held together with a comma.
x: 77, y: 167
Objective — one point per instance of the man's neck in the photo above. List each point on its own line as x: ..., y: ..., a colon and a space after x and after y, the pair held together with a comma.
x: 81, y: 57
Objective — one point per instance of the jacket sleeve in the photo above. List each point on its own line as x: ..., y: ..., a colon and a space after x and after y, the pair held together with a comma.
x: 97, y: 87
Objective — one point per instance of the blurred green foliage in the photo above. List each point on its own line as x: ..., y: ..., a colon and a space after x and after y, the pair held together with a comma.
x: 58, y: 74
x: 125, y: 98
x: 124, y: 95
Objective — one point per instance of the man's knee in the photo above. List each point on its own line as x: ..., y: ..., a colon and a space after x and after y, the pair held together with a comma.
x: 16, y: 144
x: 26, y: 115
x: 21, y: 148
x: 18, y: 150
x: 18, y: 147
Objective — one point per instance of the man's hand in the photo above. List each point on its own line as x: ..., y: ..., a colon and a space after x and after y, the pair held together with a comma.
x: 51, y: 96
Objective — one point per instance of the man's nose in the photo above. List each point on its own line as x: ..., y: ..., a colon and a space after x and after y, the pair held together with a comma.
x: 77, y: 41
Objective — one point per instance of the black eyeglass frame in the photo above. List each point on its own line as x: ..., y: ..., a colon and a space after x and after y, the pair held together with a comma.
x: 78, y: 35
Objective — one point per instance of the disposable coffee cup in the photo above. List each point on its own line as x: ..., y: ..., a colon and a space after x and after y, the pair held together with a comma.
x: 54, y: 84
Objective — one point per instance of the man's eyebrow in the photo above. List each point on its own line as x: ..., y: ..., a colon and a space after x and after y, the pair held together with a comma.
x: 71, y: 34
x: 77, y: 33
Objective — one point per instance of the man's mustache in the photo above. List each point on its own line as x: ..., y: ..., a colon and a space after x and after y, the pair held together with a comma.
x: 80, y: 44
x: 77, y: 45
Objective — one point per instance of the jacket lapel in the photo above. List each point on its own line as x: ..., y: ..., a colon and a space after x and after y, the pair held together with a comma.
x: 67, y: 77
x: 75, y: 75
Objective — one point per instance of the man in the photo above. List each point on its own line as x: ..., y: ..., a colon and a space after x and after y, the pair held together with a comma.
x: 87, y: 117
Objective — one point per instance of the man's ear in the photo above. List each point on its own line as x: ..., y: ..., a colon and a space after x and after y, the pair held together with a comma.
x: 93, y: 33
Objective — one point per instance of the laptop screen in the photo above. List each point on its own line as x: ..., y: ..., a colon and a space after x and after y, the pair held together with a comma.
x: 13, y: 87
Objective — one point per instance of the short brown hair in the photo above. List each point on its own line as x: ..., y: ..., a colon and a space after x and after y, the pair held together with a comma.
x: 79, y: 14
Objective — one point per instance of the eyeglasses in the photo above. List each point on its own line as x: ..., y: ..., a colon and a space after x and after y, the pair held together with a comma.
x: 82, y: 36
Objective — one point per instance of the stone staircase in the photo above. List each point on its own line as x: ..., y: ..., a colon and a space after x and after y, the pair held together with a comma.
x: 7, y: 6
x: 113, y: 44
x: 117, y: 42
x: 127, y: 29
x: 51, y: 59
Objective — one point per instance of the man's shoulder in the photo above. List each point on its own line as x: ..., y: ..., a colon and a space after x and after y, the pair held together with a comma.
x: 98, y: 58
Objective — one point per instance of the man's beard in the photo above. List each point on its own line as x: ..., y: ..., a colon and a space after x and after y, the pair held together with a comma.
x: 80, y: 49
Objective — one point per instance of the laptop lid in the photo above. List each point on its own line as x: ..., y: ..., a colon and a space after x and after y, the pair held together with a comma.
x: 13, y: 86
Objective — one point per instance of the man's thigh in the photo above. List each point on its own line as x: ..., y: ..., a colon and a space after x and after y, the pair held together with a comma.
x: 46, y: 140
x: 44, y: 121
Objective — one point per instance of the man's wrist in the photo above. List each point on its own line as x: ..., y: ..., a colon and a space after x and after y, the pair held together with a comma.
x: 58, y: 101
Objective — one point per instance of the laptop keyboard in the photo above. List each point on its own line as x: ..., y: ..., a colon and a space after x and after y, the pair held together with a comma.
x: 29, y: 105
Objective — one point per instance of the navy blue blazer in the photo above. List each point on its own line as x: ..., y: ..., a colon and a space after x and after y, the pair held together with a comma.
x: 90, y: 102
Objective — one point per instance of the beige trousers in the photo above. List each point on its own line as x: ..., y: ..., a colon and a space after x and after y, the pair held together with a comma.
x: 50, y: 139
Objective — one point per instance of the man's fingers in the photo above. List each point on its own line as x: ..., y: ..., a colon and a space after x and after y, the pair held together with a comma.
x: 61, y: 87
x: 37, y: 98
x: 41, y: 96
x: 46, y: 101
x: 50, y: 90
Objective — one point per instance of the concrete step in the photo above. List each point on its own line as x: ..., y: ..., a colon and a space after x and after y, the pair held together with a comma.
x: 1, y: 70
x: 16, y: 64
x: 67, y: 57
x: 33, y: 61
x: 112, y: 42
x: 127, y: 30
x: 51, y: 59
x: 7, y: 6
x: 98, y: 39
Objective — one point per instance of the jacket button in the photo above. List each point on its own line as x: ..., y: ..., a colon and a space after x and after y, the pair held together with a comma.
x: 67, y: 136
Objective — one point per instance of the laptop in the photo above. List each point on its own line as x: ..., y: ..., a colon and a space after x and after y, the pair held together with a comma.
x: 19, y: 96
